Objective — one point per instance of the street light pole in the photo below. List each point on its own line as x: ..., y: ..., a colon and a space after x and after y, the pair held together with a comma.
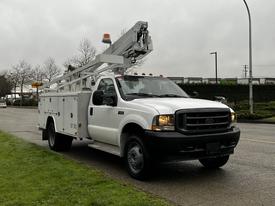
x: 216, y: 65
x: 250, y: 61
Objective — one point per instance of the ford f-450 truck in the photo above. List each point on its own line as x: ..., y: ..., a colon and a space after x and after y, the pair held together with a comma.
x: 143, y: 119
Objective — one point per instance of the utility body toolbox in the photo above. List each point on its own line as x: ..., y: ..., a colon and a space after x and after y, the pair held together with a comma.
x: 68, y: 111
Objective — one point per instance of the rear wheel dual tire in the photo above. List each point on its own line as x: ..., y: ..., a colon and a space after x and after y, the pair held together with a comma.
x: 214, y: 162
x: 58, y: 142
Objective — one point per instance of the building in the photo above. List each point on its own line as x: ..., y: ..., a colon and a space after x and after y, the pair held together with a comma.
x: 200, y: 80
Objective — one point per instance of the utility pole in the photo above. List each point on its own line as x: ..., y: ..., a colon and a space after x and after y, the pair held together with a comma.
x: 245, y: 70
x: 216, y: 65
x: 250, y: 60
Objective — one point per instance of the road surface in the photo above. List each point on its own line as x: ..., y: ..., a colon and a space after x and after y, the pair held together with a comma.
x: 247, y: 179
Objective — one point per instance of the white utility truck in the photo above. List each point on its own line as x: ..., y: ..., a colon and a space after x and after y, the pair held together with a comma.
x: 142, y: 119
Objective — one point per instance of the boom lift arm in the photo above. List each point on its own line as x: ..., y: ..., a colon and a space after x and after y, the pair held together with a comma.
x: 134, y: 45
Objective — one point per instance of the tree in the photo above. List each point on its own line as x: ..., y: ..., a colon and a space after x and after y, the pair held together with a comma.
x: 23, y: 72
x: 5, y: 85
x: 86, y: 54
x: 13, y: 79
x: 38, y: 74
x: 38, y: 77
x: 50, y: 70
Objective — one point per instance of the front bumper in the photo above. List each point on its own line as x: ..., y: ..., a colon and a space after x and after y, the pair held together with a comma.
x: 169, y: 146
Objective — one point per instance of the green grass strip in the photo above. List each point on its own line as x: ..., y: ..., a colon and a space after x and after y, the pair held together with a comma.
x: 31, y: 175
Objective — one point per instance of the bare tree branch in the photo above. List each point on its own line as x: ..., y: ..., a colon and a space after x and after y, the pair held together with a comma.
x: 86, y: 54
x: 13, y: 79
x: 50, y: 70
x: 38, y: 74
x: 23, y: 73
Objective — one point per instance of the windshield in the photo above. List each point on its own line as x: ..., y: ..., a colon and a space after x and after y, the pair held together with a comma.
x: 132, y: 87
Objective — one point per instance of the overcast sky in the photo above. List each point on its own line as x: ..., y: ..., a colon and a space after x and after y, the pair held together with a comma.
x: 184, y: 32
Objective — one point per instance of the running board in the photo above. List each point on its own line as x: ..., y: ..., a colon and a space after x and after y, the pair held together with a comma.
x: 105, y: 148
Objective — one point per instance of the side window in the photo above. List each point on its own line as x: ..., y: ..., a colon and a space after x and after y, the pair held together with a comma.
x: 107, y: 86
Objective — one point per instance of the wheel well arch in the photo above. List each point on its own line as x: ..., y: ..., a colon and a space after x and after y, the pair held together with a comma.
x: 128, y: 130
x: 50, y: 119
x: 44, y: 132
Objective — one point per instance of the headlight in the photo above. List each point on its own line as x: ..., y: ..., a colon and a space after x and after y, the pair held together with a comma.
x: 163, y: 122
x: 233, y: 117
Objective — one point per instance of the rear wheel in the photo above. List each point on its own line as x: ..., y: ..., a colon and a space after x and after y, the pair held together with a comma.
x: 58, y: 142
x: 214, y: 162
x: 137, y: 159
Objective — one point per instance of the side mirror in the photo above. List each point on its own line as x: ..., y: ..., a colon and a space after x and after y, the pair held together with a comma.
x: 98, y: 97
x: 220, y: 99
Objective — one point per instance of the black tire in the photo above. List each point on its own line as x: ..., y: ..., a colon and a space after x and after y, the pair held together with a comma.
x: 214, y: 162
x: 58, y: 142
x: 138, y: 163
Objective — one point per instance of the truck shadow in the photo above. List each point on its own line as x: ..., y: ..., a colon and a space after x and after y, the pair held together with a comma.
x: 179, y: 172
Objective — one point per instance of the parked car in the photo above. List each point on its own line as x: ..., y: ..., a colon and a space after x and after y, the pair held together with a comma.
x: 3, y: 104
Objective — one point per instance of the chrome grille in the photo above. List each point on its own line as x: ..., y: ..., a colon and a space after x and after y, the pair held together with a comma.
x: 198, y: 121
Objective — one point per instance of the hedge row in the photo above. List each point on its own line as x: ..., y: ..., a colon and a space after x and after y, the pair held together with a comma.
x: 233, y: 93
x: 261, y: 110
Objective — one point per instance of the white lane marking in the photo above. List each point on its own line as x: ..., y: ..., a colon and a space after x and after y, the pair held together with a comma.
x: 260, y: 141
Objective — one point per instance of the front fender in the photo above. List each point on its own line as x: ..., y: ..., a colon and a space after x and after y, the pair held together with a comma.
x: 136, y: 119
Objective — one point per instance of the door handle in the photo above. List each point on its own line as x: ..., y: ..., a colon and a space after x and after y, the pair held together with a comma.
x: 120, y: 112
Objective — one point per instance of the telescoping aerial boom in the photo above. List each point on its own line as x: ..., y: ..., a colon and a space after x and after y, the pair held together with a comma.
x: 134, y: 45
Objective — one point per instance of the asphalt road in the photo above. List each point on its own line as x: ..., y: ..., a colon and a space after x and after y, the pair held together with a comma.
x: 247, y: 179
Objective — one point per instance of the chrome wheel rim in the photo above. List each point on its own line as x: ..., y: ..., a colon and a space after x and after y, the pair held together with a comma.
x: 135, y: 158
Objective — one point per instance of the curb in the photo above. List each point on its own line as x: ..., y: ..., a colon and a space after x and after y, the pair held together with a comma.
x: 255, y: 122
x: 23, y: 107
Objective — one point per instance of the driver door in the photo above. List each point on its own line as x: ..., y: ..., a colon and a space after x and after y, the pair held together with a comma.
x: 103, y: 120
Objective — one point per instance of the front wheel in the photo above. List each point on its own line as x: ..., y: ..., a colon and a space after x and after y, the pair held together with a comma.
x: 137, y: 159
x: 214, y: 162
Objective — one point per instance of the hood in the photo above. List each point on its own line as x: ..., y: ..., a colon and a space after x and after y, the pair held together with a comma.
x: 170, y: 105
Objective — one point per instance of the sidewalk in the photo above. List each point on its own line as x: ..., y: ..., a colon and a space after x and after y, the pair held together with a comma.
x: 259, y: 121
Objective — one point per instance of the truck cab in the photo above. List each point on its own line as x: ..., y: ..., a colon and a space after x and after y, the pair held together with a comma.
x: 147, y: 119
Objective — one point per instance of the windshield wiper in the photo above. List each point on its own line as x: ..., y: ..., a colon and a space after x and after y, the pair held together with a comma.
x: 142, y: 94
x: 171, y: 95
